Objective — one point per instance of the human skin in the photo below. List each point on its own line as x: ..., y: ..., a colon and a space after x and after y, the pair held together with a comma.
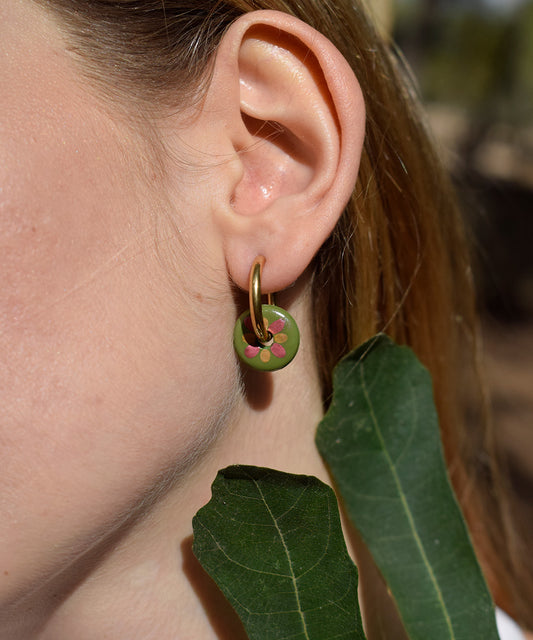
x: 94, y: 339
x: 120, y: 393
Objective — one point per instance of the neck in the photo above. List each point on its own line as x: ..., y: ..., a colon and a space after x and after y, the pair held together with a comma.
x: 149, y: 585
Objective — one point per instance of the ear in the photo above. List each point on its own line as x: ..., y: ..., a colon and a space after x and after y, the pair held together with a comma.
x: 293, y: 115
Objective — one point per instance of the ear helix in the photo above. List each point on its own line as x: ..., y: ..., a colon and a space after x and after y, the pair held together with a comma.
x: 266, y: 337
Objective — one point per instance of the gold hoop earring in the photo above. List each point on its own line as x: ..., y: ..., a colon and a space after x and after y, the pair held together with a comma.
x: 266, y: 337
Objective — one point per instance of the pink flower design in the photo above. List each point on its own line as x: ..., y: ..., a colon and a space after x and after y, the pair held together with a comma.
x: 273, y: 346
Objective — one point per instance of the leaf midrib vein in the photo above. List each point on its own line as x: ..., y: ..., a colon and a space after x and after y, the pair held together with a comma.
x: 406, y: 506
x: 282, y: 538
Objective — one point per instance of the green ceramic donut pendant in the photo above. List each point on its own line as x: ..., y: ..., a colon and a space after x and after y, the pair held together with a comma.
x: 282, y: 346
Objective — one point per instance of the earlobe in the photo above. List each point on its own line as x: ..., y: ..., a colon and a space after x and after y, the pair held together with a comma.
x: 296, y: 123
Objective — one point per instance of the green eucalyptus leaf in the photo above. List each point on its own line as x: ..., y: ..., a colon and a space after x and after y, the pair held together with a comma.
x: 273, y: 543
x: 381, y: 441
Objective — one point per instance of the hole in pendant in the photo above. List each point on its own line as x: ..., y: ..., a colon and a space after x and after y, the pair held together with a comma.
x: 269, y: 342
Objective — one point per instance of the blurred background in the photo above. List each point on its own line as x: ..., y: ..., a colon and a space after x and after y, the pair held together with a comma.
x: 473, y: 62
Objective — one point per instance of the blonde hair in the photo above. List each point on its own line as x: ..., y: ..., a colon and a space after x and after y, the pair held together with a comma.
x: 397, y: 260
